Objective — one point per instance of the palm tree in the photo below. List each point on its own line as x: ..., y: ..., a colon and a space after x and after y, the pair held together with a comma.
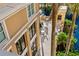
x: 74, y: 8
x: 53, y: 37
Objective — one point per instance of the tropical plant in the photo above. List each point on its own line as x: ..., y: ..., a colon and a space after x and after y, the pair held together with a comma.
x: 68, y: 22
x: 74, y: 40
x: 71, y: 53
x: 68, y: 11
x: 67, y: 26
x: 61, y: 41
x: 74, y: 8
x: 60, y: 53
x: 62, y: 37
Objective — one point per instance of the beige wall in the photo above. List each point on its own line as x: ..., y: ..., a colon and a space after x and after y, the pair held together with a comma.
x: 16, y: 22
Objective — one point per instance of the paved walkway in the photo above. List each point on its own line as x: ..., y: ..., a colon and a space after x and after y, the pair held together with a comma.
x: 46, y: 45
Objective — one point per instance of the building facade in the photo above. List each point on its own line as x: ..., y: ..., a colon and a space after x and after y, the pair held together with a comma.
x: 20, y: 28
x: 61, y: 18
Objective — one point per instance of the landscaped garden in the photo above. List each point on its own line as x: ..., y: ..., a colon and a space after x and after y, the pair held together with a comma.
x: 62, y: 38
x: 70, y: 33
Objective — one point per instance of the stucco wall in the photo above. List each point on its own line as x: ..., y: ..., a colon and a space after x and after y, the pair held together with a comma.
x: 16, y: 22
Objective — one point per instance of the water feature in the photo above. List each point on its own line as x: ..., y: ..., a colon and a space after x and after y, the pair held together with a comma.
x: 76, y: 34
x: 76, y: 31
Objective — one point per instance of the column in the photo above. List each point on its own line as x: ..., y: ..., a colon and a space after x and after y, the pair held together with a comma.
x: 27, y: 34
x: 37, y: 27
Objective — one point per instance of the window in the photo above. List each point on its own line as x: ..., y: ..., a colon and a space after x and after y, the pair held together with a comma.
x: 29, y: 13
x: 34, y: 49
x: 2, y: 35
x: 32, y: 31
x: 59, y: 17
x: 20, y: 45
x: 31, y: 9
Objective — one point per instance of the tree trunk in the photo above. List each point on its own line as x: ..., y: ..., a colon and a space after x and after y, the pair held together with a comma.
x: 68, y: 44
x: 54, y: 19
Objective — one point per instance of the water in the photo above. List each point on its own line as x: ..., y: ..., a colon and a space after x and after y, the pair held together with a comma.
x: 76, y: 32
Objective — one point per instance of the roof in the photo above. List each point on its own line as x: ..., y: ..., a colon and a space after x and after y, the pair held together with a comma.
x: 8, y: 8
x: 5, y: 53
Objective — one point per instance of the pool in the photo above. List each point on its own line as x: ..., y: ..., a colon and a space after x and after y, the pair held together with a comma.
x: 76, y: 32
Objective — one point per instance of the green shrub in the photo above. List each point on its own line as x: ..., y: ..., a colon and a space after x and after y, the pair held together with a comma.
x: 74, y: 40
x: 71, y: 53
x: 62, y: 37
x: 68, y: 22
x: 60, y: 53
x: 68, y: 25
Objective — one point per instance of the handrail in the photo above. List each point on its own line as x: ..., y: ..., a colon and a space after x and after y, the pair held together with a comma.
x: 25, y: 26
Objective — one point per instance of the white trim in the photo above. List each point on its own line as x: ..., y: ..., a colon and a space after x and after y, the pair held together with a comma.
x: 20, y: 34
x: 22, y: 30
x: 16, y: 35
x: 25, y: 30
x: 9, y: 48
x: 33, y: 39
x: 5, y: 30
x: 24, y: 52
x: 32, y: 22
x: 33, y: 16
